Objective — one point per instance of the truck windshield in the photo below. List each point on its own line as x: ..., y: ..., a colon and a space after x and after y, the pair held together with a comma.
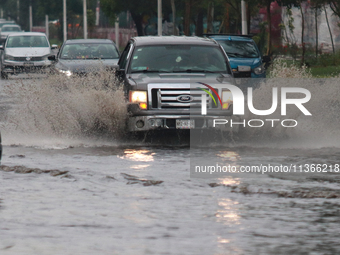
x: 240, y: 49
x: 178, y: 58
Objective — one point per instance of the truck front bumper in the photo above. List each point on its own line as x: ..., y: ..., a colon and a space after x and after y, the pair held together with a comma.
x: 167, y: 122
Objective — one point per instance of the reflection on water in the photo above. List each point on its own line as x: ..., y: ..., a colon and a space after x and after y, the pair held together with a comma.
x: 138, y: 155
x: 137, y: 167
x: 229, y: 181
x: 222, y: 240
x: 230, y: 155
x: 142, y: 216
x: 228, y: 214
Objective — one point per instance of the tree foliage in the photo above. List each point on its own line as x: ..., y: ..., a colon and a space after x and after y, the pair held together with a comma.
x: 140, y: 10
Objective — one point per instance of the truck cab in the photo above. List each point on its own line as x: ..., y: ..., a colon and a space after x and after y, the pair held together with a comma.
x: 244, y: 56
x: 165, y: 77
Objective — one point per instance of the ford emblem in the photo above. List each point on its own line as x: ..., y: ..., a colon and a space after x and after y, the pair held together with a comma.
x: 28, y: 58
x: 185, y: 98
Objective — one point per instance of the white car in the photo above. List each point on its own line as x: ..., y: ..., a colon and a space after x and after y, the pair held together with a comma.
x: 25, y: 52
x: 8, y: 29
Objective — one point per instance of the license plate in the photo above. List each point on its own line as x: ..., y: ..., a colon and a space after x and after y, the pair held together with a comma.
x: 244, y: 68
x: 28, y: 64
x: 185, y: 124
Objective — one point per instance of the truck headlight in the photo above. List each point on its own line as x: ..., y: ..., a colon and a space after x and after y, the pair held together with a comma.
x: 9, y: 57
x: 227, y: 99
x: 68, y: 72
x: 139, y: 97
x: 259, y: 69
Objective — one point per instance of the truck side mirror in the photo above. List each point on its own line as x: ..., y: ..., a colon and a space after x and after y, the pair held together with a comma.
x: 51, y: 57
x: 120, y: 72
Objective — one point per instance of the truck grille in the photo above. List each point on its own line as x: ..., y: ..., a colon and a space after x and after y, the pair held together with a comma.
x: 178, y: 98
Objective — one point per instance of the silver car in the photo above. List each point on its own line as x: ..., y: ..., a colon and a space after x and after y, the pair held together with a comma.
x: 83, y: 56
x: 24, y: 53
x: 8, y: 29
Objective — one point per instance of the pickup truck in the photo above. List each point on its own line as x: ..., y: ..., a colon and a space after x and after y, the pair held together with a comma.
x: 165, y: 77
x: 244, y: 56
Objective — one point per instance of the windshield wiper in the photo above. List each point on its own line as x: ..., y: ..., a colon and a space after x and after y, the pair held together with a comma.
x: 150, y: 71
x: 195, y: 71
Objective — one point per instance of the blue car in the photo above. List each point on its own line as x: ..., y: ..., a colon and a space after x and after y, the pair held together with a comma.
x: 244, y: 56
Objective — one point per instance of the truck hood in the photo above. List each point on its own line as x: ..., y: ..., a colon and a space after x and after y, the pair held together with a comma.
x: 252, y: 62
x: 28, y: 51
x: 86, y: 65
x: 143, y: 79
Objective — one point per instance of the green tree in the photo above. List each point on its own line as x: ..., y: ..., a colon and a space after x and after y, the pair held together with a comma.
x: 299, y: 4
x: 192, y: 11
x: 266, y: 4
x: 137, y: 8
x: 316, y: 6
x: 335, y: 6
x: 329, y: 28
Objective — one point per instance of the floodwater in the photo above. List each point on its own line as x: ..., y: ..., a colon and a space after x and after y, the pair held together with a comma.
x: 72, y: 184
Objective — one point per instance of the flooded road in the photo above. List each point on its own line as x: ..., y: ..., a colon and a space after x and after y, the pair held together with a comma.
x: 84, y: 192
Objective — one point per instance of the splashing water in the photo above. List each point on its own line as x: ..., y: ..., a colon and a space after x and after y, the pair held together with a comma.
x: 62, y: 107
x: 280, y: 69
x: 319, y: 130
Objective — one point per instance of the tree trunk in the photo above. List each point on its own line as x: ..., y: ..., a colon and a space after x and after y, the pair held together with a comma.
x: 138, y: 19
x: 285, y: 29
x: 224, y: 28
x: 199, y: 23
x: 187, y: 17
x: 329, y: 28
x: 227, y: 21
x: 173, y: 8
x: 316, y: 32
x: 269, y: 20
x: 210, y: 18
x: 302, y: 35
